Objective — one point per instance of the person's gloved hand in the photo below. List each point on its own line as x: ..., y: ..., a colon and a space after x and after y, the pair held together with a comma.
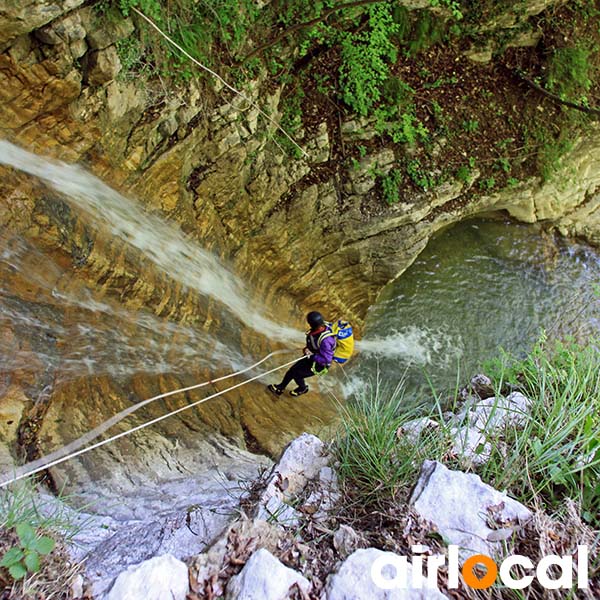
x: 307, y: 352
x: 318, y: 369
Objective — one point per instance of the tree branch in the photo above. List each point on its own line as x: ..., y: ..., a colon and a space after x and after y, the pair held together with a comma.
x: 558, y: 99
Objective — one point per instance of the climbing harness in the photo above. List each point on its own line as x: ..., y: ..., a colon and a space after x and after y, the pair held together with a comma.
x: 74, y: 449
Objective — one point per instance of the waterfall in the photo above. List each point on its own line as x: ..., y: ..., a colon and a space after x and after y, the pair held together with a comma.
x: 164, y: 244
x: 127, y: 341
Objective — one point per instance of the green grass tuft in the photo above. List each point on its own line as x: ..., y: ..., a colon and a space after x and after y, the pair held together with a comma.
x: 377, y: 461
x: 556, y: 455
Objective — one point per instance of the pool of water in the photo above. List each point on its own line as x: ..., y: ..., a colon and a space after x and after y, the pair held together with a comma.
x: 480, y: 286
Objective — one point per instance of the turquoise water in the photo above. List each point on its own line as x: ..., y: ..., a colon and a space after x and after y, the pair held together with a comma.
x: 479, y: 287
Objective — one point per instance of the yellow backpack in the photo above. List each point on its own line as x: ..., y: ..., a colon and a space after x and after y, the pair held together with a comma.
x: 344, y: 340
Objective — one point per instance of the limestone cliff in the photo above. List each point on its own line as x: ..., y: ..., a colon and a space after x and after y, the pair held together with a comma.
x: 303, y: 232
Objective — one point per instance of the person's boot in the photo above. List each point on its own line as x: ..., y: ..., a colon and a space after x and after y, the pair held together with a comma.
x: 275, y: 389
x: 299, y: 391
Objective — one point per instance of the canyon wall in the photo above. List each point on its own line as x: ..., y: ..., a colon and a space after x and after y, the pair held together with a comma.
x: 302, y: 232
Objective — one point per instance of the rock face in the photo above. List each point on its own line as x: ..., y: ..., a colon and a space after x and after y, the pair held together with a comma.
x: 263, y: 576
x: 123, y: 523
x: 103, y: 66
x: 193, y: 157
x: 462, y: 508
x: 353, y: 580
x: 480, y: 420
x: 303, y: 460
x: 208, y: 570
x: 155, y: 579
x: 22, y: 16
x: 11, y: 410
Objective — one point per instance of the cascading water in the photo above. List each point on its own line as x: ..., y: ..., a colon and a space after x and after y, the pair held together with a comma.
x: 163, y: 244
x: 101, y: 337
x: 142, y: 342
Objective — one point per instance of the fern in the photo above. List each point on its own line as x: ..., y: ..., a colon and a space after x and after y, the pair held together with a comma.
x: 365, y: 60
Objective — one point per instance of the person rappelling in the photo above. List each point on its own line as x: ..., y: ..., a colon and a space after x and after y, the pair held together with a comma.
x: 319, y: 349
x: 325, y: 342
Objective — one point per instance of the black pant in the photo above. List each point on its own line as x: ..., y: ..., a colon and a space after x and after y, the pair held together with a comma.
x: 298, y: 372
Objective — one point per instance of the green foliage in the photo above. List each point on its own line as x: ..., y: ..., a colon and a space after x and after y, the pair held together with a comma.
x: 551, y: 452
x: 549, y: 146
x: 25, y: 557
x: 587, y: 9
x: 324, y: 83
x: 544, y: 455
x: 291, y: 121
x: 365, y: 59
x: 373, y: 458
x: 402, y: 127
x: 396, y: 117
x: 21, y: 504
x: 204, y: 30
x: 452, y: 5
x: 440, y: 82
x: 396, y: 91
x: 402, y: 18
x: 133, y: 57
x: 390, y: 185
x: 151, y: 8
x: 419, y: 175
x: 464, y: 173
x: 427, y: 31
x: 290, y: 13
x: 503, y: 164
x: 488, y: 184
x: 470, y: 126
x: 570, y: 73
x: 556, y: 454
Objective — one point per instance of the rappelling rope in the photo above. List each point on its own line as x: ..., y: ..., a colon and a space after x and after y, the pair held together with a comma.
x: 71, y: 450
x: 217, y: 76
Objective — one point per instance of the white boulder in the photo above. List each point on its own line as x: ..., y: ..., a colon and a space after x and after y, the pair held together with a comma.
x: 472, y: 428
x: 462, y: 508
x: 412, y: 430
x: 301, y: 461
x: 155, y: 579
x: 264, y: 578
x: 353, y: 580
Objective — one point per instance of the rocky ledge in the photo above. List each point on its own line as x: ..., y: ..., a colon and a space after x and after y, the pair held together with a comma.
x: 291, y: 538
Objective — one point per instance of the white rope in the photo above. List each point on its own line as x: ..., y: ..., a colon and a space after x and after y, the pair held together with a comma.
x: 217, y: 76
x: 59, y: 456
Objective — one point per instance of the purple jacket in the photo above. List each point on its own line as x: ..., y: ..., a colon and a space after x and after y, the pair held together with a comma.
x: 324, y: 355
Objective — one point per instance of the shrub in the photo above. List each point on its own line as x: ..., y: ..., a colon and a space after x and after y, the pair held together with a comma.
x: 569, y: 72
x: 428, y: 30
x: 25, y: 557
x: 390, y: 185
x: 33, y: 532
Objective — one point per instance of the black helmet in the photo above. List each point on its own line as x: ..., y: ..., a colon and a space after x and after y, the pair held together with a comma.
x: 315, y: 319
